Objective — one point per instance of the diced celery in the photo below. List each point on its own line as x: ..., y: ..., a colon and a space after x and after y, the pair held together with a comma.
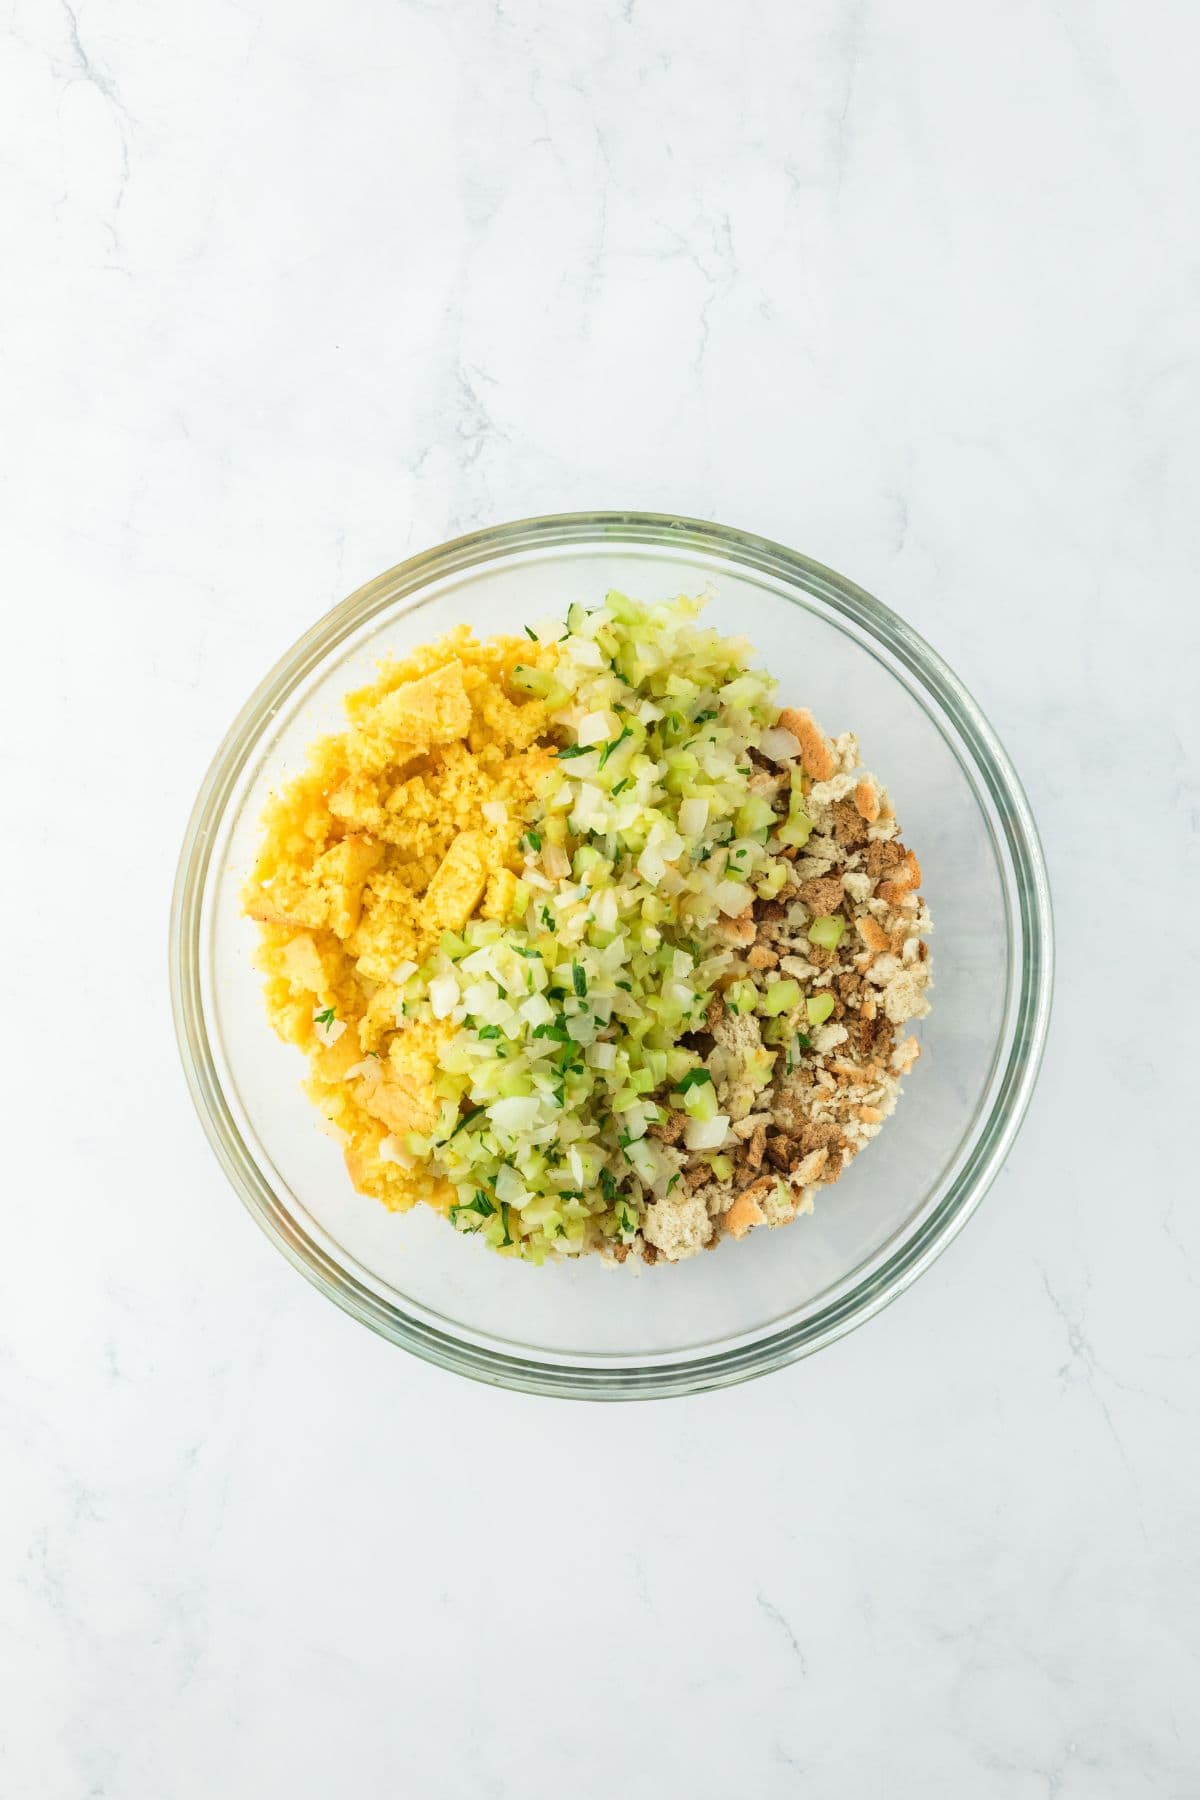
x: 623, y: 609
x: 740, y: 996
x: 701, y: 1102
x: 797, y: 827
x: 780, y: 997
x: 827, y: 931
x: 772, y: 880
x: 753, y: 815
x: 819, y: 1008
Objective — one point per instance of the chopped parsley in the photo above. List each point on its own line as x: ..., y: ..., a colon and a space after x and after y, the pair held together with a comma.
x: 619, y: 786
x: 578, y: 979
x: 489, y: 1031
x: 533, y: 839
x: 472, y: 1113
x: 693, y: 1078
x: 614, y: 744
x: 530, y: 633
x: 570, y: 750
x: 326, y: 1017
x: 480, y: 1205
x: 608, y: 1185
x: 507, y: 1238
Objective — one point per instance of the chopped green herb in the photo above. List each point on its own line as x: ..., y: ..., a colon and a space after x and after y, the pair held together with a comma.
x: 693, y: 1078
x: 614, y: 744
x: 489, y: 1031
x: 533, y: 839
x: 507, y: 1238
x: 548, y: 919
x: 531, y: 634
x: 326, y: 1017
x: 525, y: 950
x: 702, y: 718
x: 473, y: 1113
x: 619, y: 786
x: 570, y: 750
x: 627, y: 985
x: 578, y: 979
x: 673, y: 1180
x: 608, y: 1185
x: 553, y: 1028
x: 480, y: 1204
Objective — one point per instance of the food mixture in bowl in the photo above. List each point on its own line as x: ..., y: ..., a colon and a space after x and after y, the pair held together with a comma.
x: 589, y: 945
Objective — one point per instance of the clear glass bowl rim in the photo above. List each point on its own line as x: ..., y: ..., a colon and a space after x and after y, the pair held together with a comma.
x: 1033, y: 945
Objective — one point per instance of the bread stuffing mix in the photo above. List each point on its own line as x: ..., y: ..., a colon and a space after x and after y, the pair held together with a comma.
x: 589, y: 945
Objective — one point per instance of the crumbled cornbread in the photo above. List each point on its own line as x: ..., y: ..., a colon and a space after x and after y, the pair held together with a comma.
x: 367, y: 857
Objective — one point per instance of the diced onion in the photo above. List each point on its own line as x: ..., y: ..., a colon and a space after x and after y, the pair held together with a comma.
x: 516, y: 1114
x: 693, y: 817
x: 733, y: 897
x: 779, y: 745
x: 443, y: 996
x: 595, y: 727
x: 706, y: 1134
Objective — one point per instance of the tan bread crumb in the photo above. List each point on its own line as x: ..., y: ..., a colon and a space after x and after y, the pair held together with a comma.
x: 866, y: 800
x: 746, y: 1212
x: 678, y: 1225
x: 812, y: 1166
x: 740, y: 930
x: 815, y: 755
x: 873, y: 935
x: 906, y: 879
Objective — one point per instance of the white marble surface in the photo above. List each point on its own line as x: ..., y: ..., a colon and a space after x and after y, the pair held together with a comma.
x: 291, y: 290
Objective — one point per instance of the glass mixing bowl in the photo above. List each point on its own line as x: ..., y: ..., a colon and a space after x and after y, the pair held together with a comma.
x: 584, y: 1329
